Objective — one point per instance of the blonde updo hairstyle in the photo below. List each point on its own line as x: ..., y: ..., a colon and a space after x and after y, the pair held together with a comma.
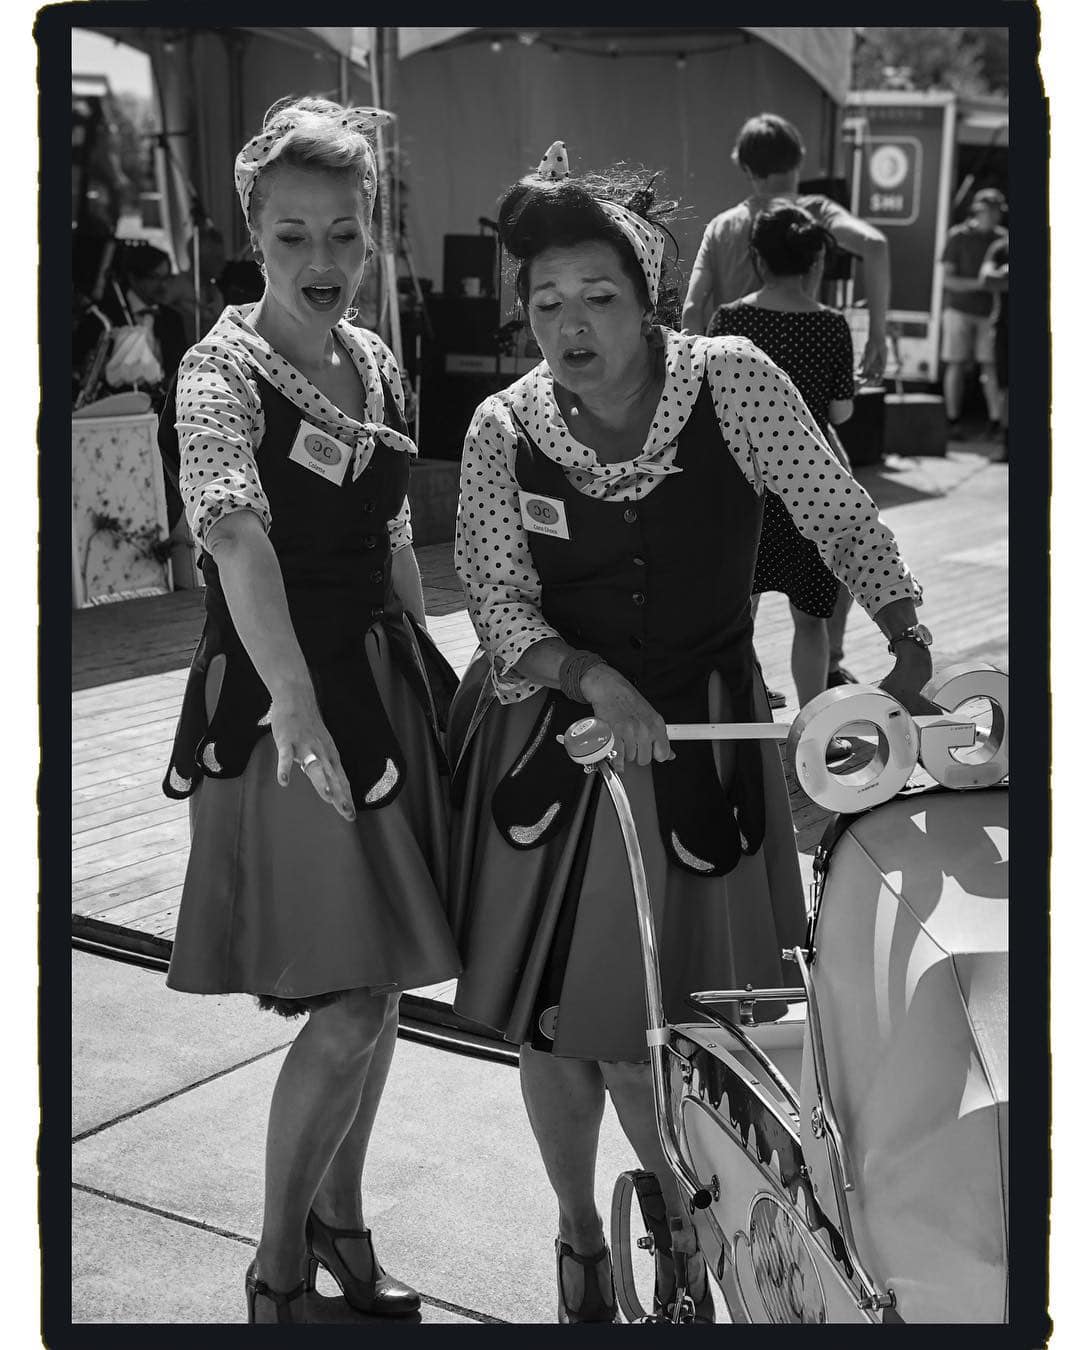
x: 317, y: 140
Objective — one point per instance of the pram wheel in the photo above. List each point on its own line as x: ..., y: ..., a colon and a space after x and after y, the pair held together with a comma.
x: 636, y: 1232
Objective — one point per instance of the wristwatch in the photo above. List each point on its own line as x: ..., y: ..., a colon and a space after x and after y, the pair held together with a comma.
x: 918, y: 632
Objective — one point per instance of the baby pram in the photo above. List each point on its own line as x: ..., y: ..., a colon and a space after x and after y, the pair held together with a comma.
x: 848, y: 1162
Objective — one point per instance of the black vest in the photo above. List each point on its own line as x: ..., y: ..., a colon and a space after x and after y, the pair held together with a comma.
x: 333, y: 546
x: 660, y: 588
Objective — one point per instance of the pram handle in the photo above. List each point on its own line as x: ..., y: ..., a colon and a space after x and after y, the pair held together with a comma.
x: 761, y: 731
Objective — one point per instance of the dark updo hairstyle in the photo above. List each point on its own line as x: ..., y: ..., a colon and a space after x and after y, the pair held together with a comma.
x: 788, y: 240
x: 538, y: 214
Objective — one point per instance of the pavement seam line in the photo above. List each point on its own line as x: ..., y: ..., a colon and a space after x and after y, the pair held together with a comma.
x: 470, y: 1313
x: 171, y: 1096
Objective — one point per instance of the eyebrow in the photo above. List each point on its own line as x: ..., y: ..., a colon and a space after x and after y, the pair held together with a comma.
x: 296, y: 220
x: 589, y: 281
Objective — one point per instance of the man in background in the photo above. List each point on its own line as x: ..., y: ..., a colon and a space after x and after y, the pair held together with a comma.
x: 994, y: 275
x: 966, y: 321
x: 770, y: 152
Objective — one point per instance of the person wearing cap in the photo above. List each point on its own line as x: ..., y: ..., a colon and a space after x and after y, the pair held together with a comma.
x: 309, y: 740
x: 967, y: 335
x: 607, y: 531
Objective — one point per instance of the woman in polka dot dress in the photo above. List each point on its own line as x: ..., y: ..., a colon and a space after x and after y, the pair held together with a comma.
x: 812, y: 345
x: 309, y: 740
x: 607, y: 531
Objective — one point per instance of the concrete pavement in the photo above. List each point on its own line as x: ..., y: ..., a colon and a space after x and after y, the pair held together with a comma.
x: 170, y: 1097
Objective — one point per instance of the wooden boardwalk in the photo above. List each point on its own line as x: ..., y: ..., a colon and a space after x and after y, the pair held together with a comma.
x: 129, y: 842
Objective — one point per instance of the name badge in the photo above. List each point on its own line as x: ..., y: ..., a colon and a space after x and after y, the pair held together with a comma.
x: 543, y: 515
x: 321, y: 453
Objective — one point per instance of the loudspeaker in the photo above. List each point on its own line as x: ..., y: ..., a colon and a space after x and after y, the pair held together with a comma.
x: 863, y: 435
x: 461, y: 328
x: 464, y: 325
x: 447, y: 403
x: 469, y: 265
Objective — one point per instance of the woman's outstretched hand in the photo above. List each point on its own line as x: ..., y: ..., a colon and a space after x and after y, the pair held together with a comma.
x: 639, y: 730
x: 300, y: 732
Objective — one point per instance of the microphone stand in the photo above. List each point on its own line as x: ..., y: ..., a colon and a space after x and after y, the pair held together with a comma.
x: 486, y: 224
x: 198, y: 213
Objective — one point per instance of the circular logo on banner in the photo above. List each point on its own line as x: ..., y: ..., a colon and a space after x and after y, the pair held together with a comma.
x: 326, y: 452
x: 543, y: 512
x: 889, y: 166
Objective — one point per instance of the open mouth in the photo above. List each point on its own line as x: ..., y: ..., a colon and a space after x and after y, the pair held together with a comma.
x: 578, y: 357
x: 322, y: 297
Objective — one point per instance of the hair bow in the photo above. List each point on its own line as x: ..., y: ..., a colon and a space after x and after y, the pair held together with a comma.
x: 645, y: 238
x: 266, y: 146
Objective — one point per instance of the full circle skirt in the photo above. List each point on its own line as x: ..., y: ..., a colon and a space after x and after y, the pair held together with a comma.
x: 718, y: 932
x: 286, y: 899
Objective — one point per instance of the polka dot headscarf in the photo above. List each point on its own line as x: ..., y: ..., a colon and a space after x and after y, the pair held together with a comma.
x: 645, y: 239
x: 267, y: 145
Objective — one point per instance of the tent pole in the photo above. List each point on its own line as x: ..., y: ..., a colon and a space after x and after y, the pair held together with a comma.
x: 387, y: 240
x: 343, y: 79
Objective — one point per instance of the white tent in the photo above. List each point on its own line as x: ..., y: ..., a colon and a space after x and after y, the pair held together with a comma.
x: 478, y: 106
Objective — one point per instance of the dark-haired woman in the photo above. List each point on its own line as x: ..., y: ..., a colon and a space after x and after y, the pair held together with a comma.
x: 811, y: 343
x: 607, y: 530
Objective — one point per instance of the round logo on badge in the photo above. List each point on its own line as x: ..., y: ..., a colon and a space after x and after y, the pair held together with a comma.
x: 543, y: 512
x: 319, y: 448
x: 889, y: 166
x: 547, y: 1022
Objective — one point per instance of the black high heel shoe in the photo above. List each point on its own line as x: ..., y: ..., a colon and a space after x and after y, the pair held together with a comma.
x: 595, y: 1305
x: 379, y: 1294
x: 256, y: 1288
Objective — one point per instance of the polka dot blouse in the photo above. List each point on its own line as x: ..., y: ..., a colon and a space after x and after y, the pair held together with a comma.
x: 219, y: 420
x: 768, y: 430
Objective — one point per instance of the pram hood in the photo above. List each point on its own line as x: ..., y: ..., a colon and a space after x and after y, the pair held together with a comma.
x: 911, y: 977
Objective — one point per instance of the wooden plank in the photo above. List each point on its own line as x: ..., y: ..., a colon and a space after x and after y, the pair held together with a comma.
x: 123, y: 717
x: 89, y: 749
x: 151, y: 760
x: 104, y: 787
x: 129, y: 803
x: 135, y: 913
x: 126, y: 823
x: 141, y: 846
x: 162, y: 924
x: 117, y: 693
x: 145, y: 907
x: 130, y: 882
